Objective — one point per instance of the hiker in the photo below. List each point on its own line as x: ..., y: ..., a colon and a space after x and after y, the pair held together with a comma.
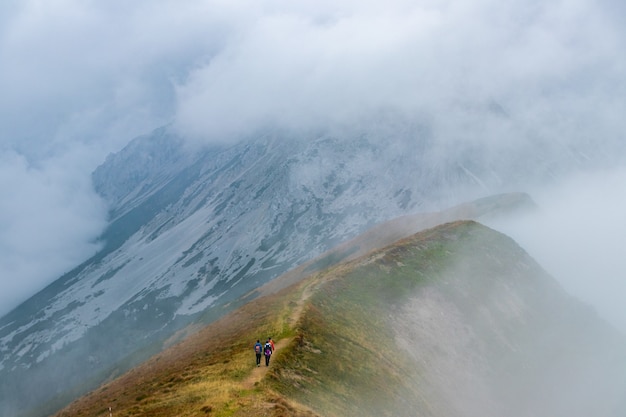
x: 258, y: 349
x: 272, y: 344
x: 268, y: 352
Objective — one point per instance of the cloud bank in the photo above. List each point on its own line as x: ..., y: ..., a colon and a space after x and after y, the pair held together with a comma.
x: 545, y: 62
x: 578, y: 235
x: 80, y: 79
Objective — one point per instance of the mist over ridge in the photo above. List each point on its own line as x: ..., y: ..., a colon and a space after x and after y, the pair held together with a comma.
x: 160, y: 159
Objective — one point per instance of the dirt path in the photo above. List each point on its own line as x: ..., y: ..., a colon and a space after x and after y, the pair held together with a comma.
x: 257, y: 373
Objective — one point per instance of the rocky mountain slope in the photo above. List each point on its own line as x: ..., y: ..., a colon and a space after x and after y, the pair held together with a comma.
x: 453, y: 321
x: 194, y: 229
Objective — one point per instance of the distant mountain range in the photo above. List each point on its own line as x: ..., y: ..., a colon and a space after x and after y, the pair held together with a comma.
x: 195, y: 229
x: 454, y: 321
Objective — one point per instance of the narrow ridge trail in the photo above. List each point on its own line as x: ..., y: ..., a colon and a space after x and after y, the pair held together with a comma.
x: 258, y: 372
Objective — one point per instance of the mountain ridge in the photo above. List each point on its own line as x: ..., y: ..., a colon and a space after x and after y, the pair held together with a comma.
x: 385, y: 334
x: 192, y: 231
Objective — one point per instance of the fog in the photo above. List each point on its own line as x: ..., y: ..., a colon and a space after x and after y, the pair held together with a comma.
x: 578, y: 234
x: 80, y: 79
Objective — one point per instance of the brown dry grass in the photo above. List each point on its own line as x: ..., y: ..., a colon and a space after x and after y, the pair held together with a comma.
x: 212, y: 372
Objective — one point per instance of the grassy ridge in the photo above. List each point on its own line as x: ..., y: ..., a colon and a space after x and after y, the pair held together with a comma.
x: 345, y: 361
x: 496, y: 323
x: 201, y: 376
x: 340, y: 358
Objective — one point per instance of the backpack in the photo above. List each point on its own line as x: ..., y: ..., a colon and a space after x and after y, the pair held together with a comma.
x: 268, y: 350
x: 257, y: 348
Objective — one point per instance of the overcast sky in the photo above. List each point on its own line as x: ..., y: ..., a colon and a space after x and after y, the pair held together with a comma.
x: 80, y: 78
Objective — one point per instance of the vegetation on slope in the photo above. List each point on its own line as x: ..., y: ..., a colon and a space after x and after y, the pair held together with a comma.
x: 331, y: 325
x: 418, y: 328
x: 346, y: 361
x: 203, y: 375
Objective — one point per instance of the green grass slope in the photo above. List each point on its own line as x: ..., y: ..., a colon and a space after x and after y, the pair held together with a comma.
x: 453, y: 321
x: 376, y: 237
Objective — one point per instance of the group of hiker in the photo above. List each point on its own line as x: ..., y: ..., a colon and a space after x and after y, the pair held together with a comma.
x: 266, y: 350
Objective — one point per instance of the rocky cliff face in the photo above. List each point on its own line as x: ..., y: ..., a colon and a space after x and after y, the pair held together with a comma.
x: 195, y: 229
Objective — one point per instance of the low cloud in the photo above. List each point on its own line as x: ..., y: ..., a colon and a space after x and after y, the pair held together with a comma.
x: 49, y: 216
x: 553, y: 67
x: 578, y: 235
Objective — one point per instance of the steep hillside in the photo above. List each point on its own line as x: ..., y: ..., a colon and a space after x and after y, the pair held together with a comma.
x: 453, y: 321
x: 193, y: 230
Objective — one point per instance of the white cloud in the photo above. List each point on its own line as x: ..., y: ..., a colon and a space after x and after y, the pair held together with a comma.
x: 578, y: 235
x: 49, y: 216
x: 547, y: 62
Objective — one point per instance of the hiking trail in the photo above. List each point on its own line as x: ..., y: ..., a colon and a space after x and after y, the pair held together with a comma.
x: 258, y: 372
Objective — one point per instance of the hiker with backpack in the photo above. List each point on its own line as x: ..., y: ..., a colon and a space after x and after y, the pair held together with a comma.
x: 258, y: 349
x: 272, y: 344
x: 268, y: 352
